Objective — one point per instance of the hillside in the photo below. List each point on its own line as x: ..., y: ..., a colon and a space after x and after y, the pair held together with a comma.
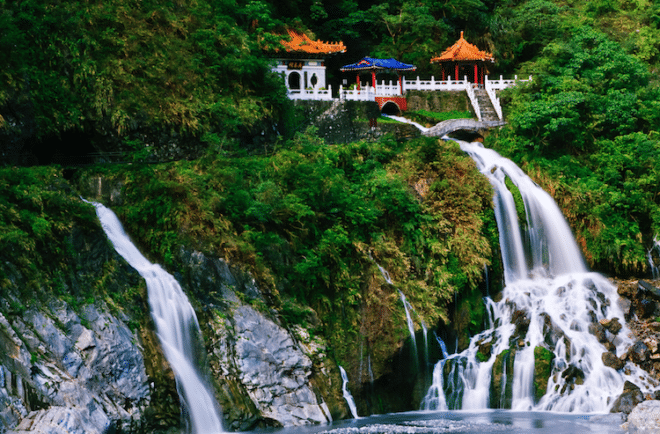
x: 211, y: 160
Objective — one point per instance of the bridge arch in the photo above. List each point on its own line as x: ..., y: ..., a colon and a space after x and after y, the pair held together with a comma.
x: 390, y: 108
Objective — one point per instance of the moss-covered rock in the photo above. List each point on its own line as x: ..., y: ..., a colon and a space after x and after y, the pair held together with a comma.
x: 501, y: 383
x: 543, y: 359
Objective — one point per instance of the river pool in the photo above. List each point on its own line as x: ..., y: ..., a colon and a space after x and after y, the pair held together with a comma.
x: 488, y: 421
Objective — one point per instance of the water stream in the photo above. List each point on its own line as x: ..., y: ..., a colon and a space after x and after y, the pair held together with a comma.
x: 347, y: 394
x: 653, y: 256
x: 177, y: 328
x: 548, y: 307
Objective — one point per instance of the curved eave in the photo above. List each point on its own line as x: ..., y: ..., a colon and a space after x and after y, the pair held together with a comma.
x: 376, y: 68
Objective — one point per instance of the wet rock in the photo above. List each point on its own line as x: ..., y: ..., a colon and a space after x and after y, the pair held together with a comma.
x: 645, y: 418
x: 551, y: 332
x: 501, y: 385
x: 598, y: 331
x: 521, y: 321
x: 626, y: 307
x: 485, y: 349
x: 639, y: 352
x: 612, y: 361
x: 573, y: 374
x: 543, y: 362
x: 83, y: 380
x: 612, y: 325
x: 630, y: 397
x: 274, y: 370
x: 647, y: 308
x: 266, y: 374
x: 649, y: 290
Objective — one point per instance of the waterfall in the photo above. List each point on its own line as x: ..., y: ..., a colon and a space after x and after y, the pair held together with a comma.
x: 549, y: 304
x: 407, y: 307
x: 407, y: 121
x: 653, y: 256
x: 177, y: 328
x: 347, y: 394
x: 409, y: 321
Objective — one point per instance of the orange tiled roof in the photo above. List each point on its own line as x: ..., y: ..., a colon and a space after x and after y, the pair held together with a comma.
x: 463, y: 50
x: 301, y: 43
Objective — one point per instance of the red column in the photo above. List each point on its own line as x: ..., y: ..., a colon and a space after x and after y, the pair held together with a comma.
x: 373, y: 79
x: 358, y: 81
x: 476, y: 73
x: 400, y: 85
x: 456, y: 77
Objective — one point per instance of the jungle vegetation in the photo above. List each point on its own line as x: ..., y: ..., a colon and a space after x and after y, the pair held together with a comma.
x: 313, y: 221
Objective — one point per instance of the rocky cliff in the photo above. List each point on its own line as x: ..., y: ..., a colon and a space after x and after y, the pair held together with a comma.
x: 81, y: 355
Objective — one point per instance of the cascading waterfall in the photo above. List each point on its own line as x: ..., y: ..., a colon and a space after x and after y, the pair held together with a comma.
x: 652, y: 255
x: 407, y: 121
x: 549, y: 304
x: 177, y: 328
x: 347, y: 394
x: 409, y: 321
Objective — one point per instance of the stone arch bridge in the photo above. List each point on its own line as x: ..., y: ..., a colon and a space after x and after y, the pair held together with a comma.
x: 449, y: 126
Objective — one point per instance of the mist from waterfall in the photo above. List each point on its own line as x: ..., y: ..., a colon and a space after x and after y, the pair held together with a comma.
x: 549, y: 304
x: 177, y: 329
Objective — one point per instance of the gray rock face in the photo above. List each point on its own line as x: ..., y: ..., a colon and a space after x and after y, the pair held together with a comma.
x: 59, y: 375
x: 264, y: 371
x: 644, y: 419
x: 274, y: 370
x: 627, y: 401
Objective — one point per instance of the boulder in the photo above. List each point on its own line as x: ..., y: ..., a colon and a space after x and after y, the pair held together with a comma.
x: 612, y: 325
x: 612, y: 361
x: 645, y: 418
x: 275, y: 371
x: 639, y: 352
x: 630, y: 397
x: 648, y: 289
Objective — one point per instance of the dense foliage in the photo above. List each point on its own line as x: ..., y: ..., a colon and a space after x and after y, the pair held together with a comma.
x: 587, y: 129
x: 192, y: 67
x: 315, y: 222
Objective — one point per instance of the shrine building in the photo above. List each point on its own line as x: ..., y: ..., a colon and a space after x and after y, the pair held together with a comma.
x: 464, y: 60
x: 303, y: 62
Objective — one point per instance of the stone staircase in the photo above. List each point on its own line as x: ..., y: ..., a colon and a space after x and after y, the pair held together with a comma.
x: 486, y: 106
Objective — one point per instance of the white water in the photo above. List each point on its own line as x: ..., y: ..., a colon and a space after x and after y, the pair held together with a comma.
x: 655, y: 267
x: 347, y: 394
x: 546, y: 279
x: 407, y: 121
x: 407, y: 307
x: 177, y: 328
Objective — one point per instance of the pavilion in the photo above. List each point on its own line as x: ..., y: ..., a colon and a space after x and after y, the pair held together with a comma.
x: 464, y: 59
x: 302, y: 63
x: 373, y: 65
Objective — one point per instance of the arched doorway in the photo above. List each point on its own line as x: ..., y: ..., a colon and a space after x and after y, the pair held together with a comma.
x: 294, y: 80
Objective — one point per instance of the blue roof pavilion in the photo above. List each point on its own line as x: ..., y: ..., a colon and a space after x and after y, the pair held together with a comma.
x: 375, y: 65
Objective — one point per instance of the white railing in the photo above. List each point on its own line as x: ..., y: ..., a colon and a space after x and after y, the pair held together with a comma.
x: 493, y: 97
x: 503, y: 84
x: 473, y: 98
x: 314, y: 94
x: 433, y: 84
x: 391, y: 89
x: 366, y: 93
